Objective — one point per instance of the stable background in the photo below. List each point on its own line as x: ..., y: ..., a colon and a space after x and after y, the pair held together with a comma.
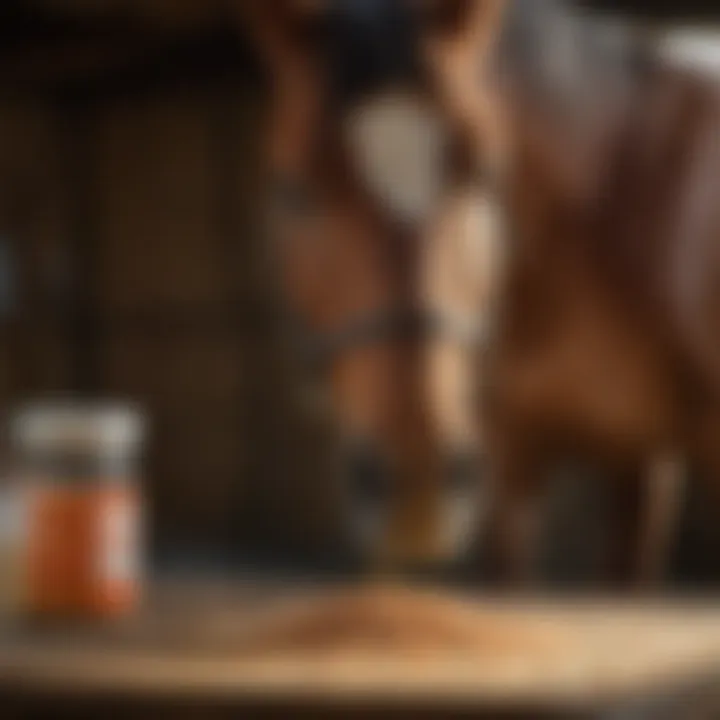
x: 132, y: 266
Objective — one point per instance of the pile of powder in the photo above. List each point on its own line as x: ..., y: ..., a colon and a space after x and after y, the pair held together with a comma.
x: 382, y: 620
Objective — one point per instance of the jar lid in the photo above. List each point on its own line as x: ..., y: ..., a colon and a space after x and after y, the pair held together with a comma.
x: 96, y: 427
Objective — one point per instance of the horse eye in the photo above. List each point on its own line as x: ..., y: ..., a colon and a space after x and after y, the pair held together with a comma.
x: 368, y: 476
x: 463, y: 472
x: 290, y: 198
x: 441, y: 14
x: 310, y: 7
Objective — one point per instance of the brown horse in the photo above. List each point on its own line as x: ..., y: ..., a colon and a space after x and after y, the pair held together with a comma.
x: 599, y: 287
x: 375, y: 205
x: 607, y: 343
x: 611, y: 346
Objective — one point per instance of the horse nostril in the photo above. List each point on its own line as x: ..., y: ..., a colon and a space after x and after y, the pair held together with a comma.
x: 369, y: 477
x: 465, y: 504
x: 464, y: 472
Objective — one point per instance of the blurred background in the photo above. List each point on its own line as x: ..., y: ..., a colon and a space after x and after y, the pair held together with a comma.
x: 132, y: 266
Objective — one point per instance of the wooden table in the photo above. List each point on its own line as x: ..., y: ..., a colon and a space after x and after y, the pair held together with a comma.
x: 182, y: 654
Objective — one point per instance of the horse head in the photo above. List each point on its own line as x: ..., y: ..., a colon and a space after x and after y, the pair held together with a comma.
x: 386, y: 153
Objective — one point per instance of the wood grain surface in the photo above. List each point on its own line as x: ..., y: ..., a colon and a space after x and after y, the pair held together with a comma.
x: 358, y: 645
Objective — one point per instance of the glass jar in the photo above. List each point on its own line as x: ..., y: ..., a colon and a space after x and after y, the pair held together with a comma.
x: 79, y: 466
x: 12, y: 546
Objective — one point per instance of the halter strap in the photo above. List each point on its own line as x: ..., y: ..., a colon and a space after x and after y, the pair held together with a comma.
x: 319, y: 349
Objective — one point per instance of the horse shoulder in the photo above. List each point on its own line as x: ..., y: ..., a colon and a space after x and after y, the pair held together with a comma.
x: 692, y: 277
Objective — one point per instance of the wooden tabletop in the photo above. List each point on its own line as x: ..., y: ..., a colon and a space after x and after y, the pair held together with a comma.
x: 188, y: 642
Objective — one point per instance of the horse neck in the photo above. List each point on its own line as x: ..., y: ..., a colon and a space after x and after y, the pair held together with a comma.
x: 560, y: 165
x: 569, y: 151
x: 569, y: 82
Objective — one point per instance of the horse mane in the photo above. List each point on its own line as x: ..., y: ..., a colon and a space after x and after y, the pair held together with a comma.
x: 556, y: 54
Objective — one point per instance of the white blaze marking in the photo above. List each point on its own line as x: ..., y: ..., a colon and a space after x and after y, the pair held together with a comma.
x: 397, y: 143
x: 694, y: 48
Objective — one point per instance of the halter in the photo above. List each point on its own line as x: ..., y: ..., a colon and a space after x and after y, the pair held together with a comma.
x: 318, y: 350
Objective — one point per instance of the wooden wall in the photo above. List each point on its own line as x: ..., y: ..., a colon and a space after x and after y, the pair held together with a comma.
x: 183, y: 315
x: 133, y: 214
x: 137, y: 229
x: 164, y: 289
x: 33, y: 224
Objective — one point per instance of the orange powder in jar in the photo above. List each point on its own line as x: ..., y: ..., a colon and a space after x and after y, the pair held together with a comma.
x: 84, y: 510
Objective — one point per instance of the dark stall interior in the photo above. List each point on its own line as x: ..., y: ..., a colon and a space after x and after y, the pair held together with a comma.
x: 131, y: 188
x: 130, y: 177
x: 133, y: 266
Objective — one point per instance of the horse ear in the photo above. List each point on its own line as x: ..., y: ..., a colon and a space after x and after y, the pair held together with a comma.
x: 486, y: 20
x: 276, y: 29
x: 481, y: 23
x: 473, y: 22
x: 456, y: 51
x: 458, y: 44
x: 309, y: 7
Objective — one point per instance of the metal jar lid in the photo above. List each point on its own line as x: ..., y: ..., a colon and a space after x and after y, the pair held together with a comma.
x: 96, y: 428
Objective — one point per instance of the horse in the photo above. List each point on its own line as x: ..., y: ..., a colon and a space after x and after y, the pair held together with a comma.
x: 553, y: 298
x: 371, y: 191
x: 607, y: 343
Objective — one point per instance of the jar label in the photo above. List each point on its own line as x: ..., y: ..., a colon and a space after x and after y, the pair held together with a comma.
x: 120, y: 543
x: 13, y: 524
x: 13, y: 518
